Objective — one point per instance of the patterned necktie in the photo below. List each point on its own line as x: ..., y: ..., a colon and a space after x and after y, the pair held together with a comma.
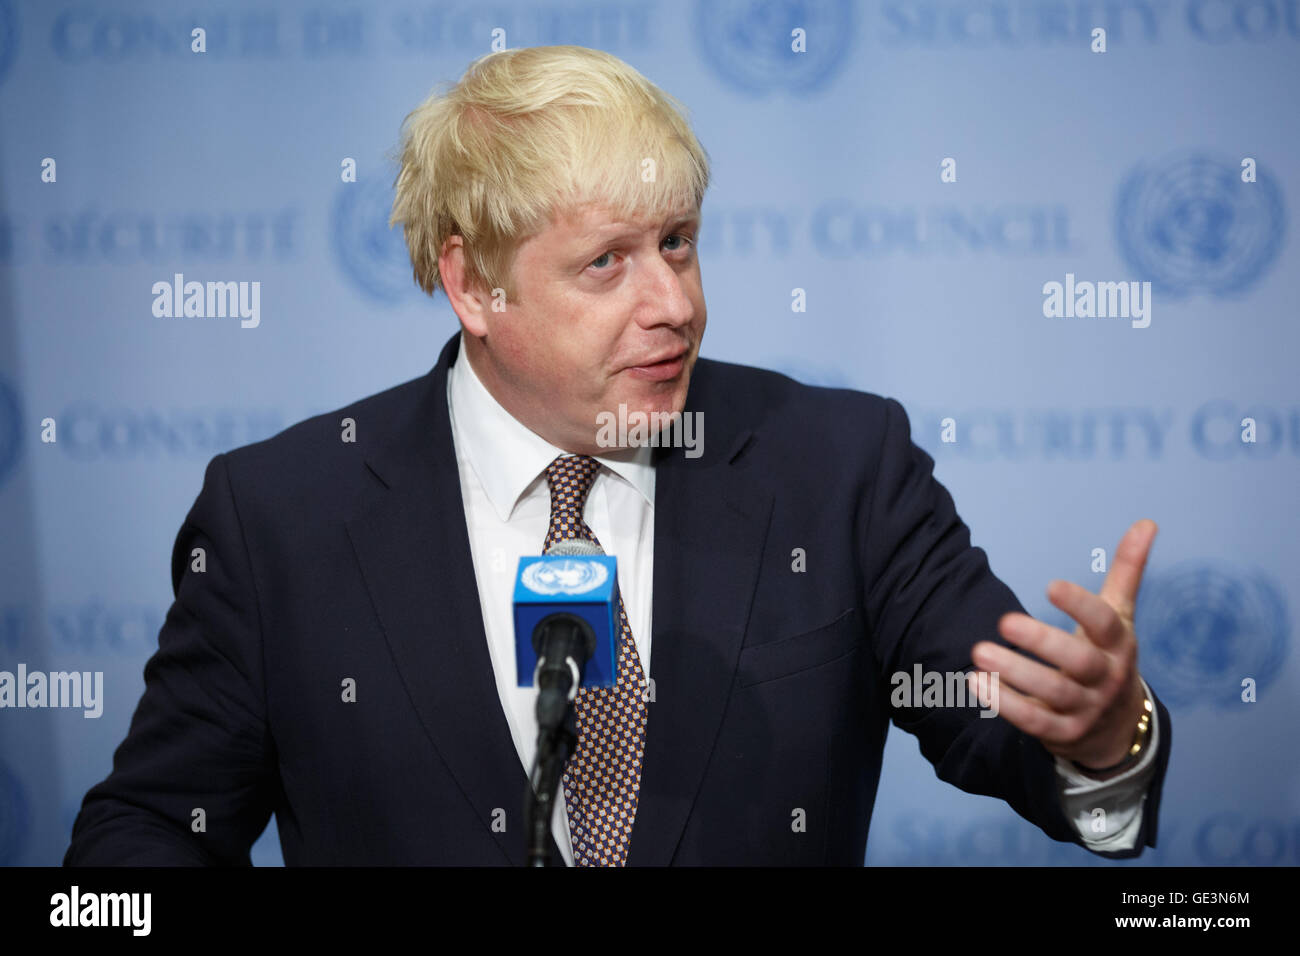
x: 603, y: 776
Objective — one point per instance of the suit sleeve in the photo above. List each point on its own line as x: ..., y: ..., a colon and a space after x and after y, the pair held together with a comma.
x: 198, y: 740
x: 930, y: 596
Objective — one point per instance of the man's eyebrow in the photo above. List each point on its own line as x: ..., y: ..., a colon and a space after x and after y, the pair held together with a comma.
x: 601, y: 236
x: 686, y: 219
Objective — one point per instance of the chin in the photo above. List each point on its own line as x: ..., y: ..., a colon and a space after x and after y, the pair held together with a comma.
x: 662, y: 396
x: 663, y: 403
x: 636, y: 413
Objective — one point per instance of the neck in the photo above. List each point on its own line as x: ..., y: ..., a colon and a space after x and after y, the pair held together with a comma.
x: 519, y: 407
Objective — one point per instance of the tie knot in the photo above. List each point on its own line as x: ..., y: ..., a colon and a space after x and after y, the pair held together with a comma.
x: 570, y: 478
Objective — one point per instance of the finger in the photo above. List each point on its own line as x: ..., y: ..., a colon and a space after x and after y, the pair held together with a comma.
x: 1081, y: 660
x: 1049, y: 685
x: 1100, y: 621
x: 1120, y: 589
x: 1030, y: 716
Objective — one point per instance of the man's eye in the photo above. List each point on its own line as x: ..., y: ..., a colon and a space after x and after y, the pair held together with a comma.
x: 599, y: 263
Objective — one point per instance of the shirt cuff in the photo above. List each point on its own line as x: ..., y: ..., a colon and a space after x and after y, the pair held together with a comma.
x: 1108, y: 813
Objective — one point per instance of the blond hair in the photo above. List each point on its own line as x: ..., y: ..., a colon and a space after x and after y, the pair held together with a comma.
x: 527, y: 133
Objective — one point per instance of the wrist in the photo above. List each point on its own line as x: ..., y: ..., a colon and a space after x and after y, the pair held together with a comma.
x: 1133, y: 753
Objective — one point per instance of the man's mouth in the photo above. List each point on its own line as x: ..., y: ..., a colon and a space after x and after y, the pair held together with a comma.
x: 661, y: 368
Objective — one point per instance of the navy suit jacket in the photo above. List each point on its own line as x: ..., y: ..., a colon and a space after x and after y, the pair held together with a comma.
x: 329, y: 560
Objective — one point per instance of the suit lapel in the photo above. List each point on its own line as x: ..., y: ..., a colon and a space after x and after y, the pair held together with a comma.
x: 414, y: 553
x: 710, y: 526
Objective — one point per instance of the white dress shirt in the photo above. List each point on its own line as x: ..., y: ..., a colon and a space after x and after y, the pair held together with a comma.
x: 507, y: 510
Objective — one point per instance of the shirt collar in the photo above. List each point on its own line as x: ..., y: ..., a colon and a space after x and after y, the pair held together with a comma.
x: 507, y: 456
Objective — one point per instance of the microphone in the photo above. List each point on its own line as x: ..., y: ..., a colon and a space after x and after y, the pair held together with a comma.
x: 566, y: 633
x: 566, y: 624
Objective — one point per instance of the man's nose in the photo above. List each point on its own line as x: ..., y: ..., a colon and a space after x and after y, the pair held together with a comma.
x: 667, y: 297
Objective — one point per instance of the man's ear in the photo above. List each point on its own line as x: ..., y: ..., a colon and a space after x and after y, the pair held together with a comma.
x: 468, y: 302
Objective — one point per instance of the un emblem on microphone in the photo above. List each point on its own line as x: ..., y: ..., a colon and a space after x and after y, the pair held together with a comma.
x: 566, y: 576
x: 1189, y: 224
x: 372, y: 255
x: 751, y: 46
x: 1203, y: 627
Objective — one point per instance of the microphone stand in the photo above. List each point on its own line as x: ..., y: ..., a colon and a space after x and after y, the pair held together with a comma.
x: 555, y: 741
x: 553, y: 746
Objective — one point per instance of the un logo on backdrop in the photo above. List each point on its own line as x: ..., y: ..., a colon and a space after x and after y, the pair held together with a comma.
x: 1189, y: 224
x: 14, y: 817
x: 748, y: 44
x: 1204, y: 626
x: 372, y: 256
x: 8, y: 37
x: 10, y: 431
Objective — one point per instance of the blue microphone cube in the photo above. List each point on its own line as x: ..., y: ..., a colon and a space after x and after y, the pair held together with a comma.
x: 584, y: 585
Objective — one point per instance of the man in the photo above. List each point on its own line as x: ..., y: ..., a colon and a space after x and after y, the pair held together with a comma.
x: 339, y: 652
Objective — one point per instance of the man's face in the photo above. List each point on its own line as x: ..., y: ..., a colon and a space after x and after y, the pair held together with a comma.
x: 610, y: 313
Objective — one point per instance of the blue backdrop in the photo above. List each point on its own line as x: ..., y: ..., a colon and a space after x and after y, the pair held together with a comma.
x: 920, y: 172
